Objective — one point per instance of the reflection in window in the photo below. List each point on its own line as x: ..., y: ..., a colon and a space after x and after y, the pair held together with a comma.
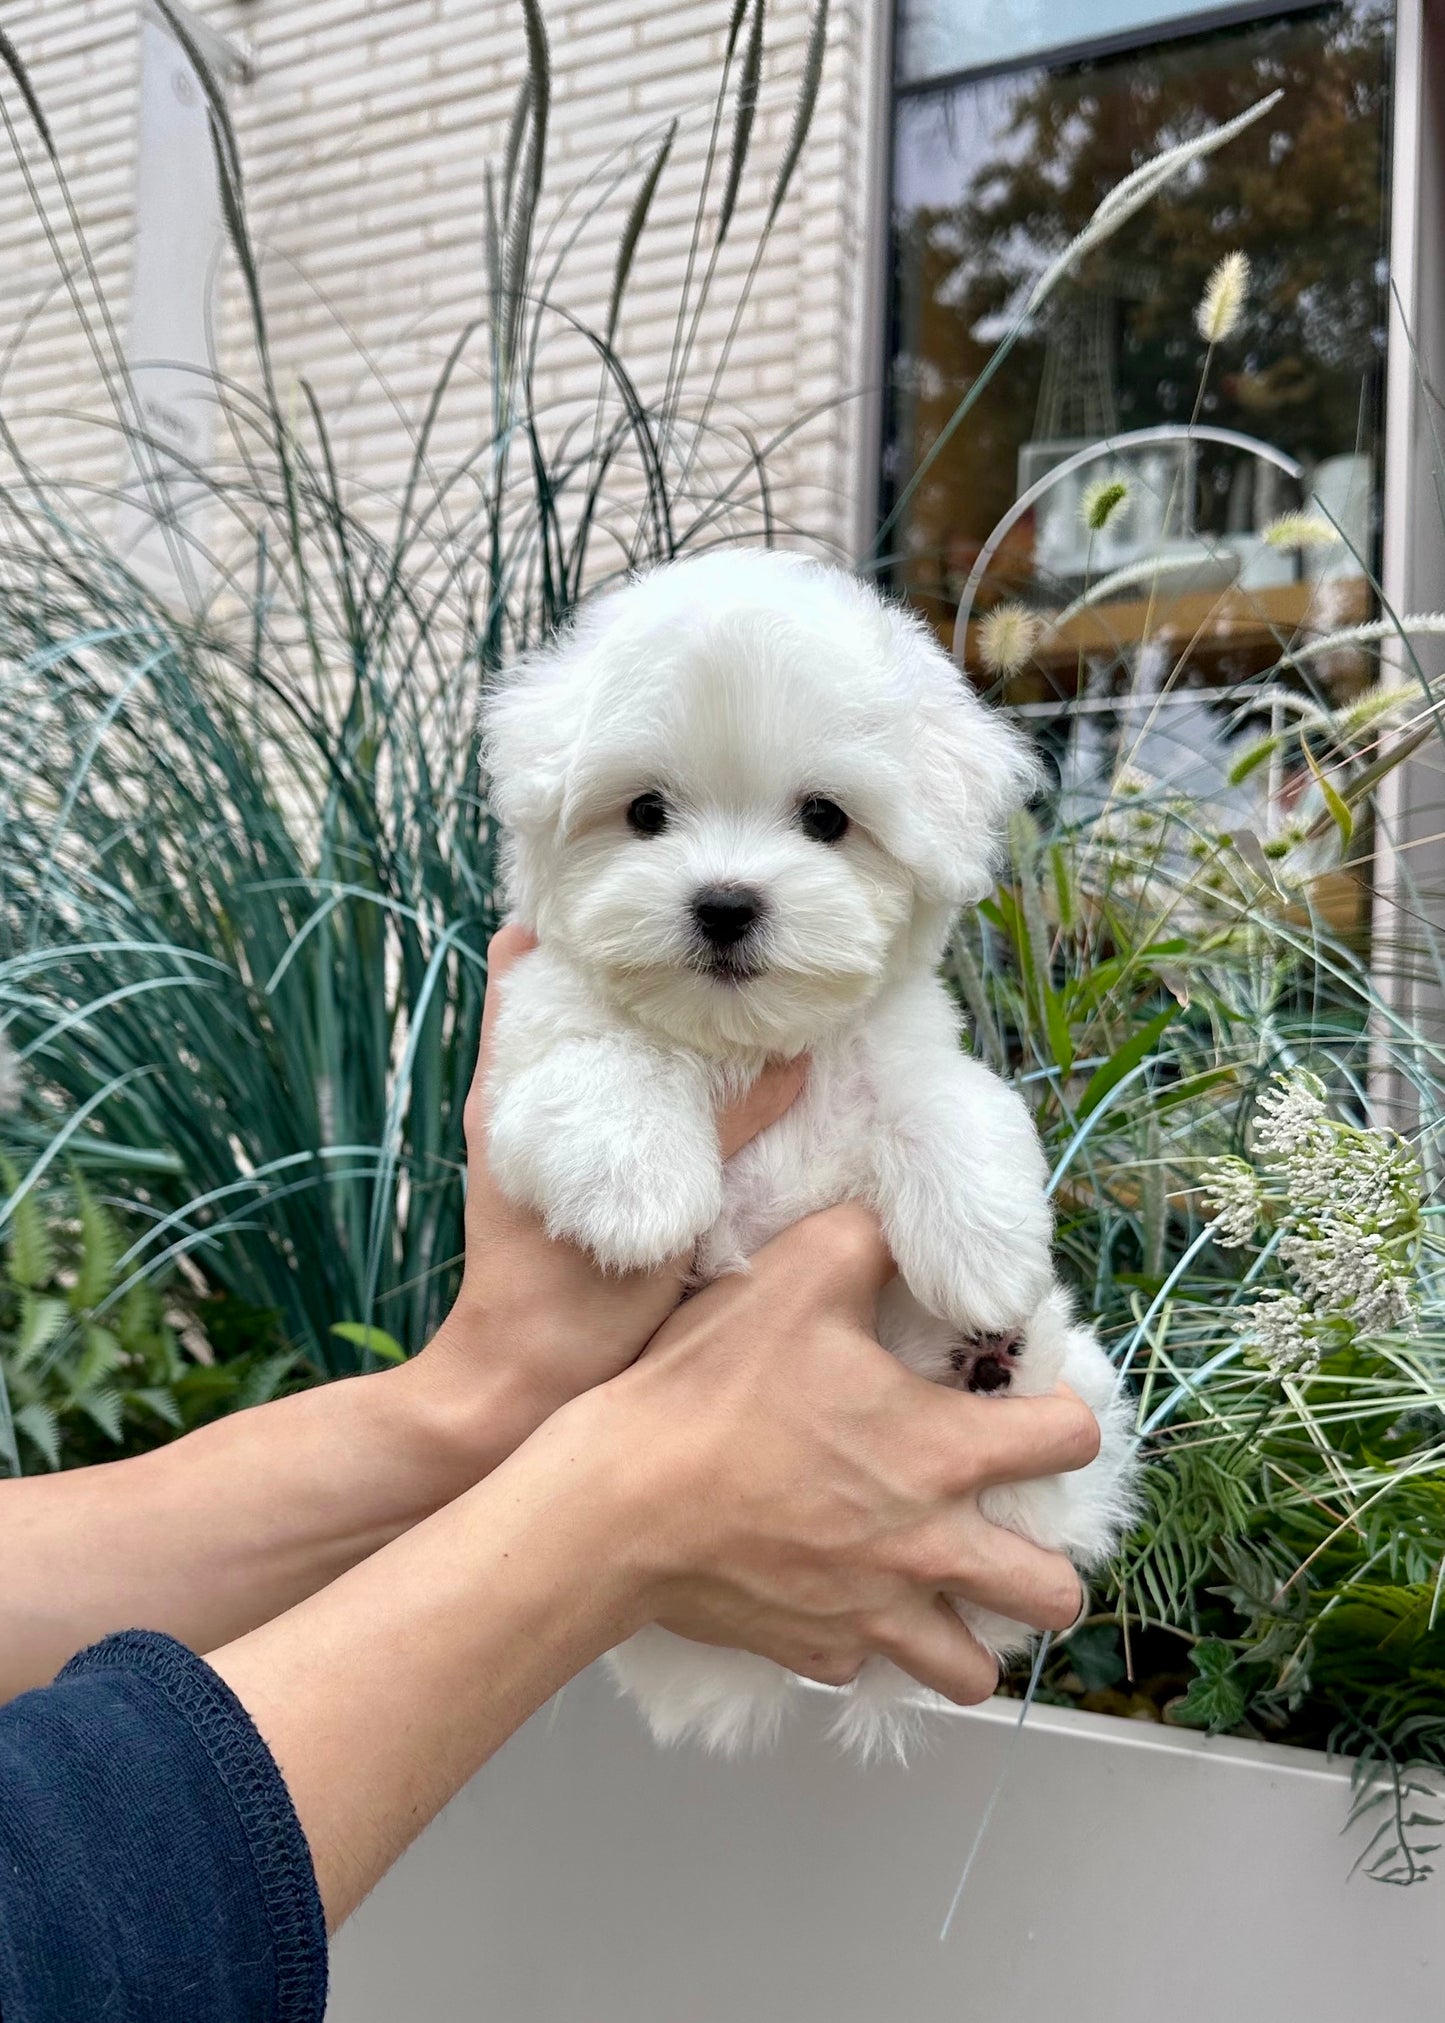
x: 1158, y: 626
x: 938, y: 37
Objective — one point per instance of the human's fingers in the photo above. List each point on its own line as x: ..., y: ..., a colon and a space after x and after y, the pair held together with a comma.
x: 998, y: 1570
x: 928, y: 1641
x: 838, y: 1254
x: 993, y: 1440
x: 505, y: 949
x: 827, y: 1669
x: 776, y: 1089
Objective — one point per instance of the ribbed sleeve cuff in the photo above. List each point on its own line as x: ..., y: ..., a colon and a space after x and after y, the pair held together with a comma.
x: 245, y: 1767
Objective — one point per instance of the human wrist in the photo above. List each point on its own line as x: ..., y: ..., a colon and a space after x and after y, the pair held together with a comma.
x: 584, y: 1482
x: 514, y: 1351
x: 631, y: 1469
x: 464, y: 1404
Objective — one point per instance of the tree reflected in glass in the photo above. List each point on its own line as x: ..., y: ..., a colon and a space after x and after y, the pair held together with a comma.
x: 991, y: 180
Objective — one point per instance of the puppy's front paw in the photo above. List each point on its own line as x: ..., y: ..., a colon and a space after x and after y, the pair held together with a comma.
x: 1084, y: 1512
x: 633, y: 1185
x: 637, y: 1216
x: 961, y: 1190
x: 986, y: 1276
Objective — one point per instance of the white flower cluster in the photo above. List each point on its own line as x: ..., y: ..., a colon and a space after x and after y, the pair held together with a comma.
x: 1280, y: 1336
x: 1344, y: 1268
x: 1234, y: 1199
x: 1346, y: 1201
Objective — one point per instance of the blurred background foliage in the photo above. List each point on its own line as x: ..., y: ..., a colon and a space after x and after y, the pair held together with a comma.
x: 247, y: 869
x: 98, y: 1361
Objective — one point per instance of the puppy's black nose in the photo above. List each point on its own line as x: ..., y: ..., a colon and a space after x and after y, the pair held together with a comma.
x: 724, y: 913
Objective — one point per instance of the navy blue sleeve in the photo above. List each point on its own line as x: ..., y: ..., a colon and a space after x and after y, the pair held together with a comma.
x: 152, y: 1867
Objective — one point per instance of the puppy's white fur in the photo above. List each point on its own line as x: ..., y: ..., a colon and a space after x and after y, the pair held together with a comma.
x: 738, y: 685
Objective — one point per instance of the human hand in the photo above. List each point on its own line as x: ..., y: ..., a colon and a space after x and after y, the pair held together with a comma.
x: 537, y: 1321
x: 766, y: 1476
x: 791, y: 1489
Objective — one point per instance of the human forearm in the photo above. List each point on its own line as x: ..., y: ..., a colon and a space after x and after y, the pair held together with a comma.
x: 765, y: 1477
x: 382, y: 1694
x: 233, y: 1524
x: 221, y: 1530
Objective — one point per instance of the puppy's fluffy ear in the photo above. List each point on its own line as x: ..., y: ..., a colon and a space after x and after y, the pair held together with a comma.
x: 530, y: 727
x: 971, y: 770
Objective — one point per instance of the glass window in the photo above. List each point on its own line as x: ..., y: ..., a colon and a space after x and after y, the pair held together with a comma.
x: 938, y: 37
x: 1180, y: 591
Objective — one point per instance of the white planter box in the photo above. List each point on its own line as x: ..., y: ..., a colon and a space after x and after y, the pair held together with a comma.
x: 1132, y: 1874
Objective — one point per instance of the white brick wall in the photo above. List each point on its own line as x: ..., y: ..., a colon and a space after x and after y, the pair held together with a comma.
x: 364, y: 133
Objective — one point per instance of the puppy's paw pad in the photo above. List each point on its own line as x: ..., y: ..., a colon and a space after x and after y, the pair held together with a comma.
x: 986, y: 1363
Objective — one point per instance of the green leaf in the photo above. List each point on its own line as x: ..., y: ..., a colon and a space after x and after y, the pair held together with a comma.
x: 100, y: 1248
x: 372, y: 1341
x: 1128, y: 1057
x: 41, y: 1427
x: 1006, y: 912
x: 1194, y: 1085
x: 1061, y: 1040
x: 137, y: 1320
x: 1340, y: 815
x: 1215, y: 1700
x: 1063, y: 883
x: 32, y: 1254
x: 262, y: 1379
x: 101, y: 1357
x: 104, y: 1408
x: 162, y: 1402
x: 1252, y: 851
x: 1096, y: 1653
x: 41, y: 1318
x: 1139, y: 967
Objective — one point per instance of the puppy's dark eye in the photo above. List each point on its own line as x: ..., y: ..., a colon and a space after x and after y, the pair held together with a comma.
x: 648, y: 815
x: 823, y: 820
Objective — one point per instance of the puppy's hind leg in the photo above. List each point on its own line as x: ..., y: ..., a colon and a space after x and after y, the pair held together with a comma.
x: 730, y: 1701
x: 881, y: 1716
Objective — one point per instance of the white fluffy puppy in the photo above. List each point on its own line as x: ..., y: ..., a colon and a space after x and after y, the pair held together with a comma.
x: 744, y: 800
